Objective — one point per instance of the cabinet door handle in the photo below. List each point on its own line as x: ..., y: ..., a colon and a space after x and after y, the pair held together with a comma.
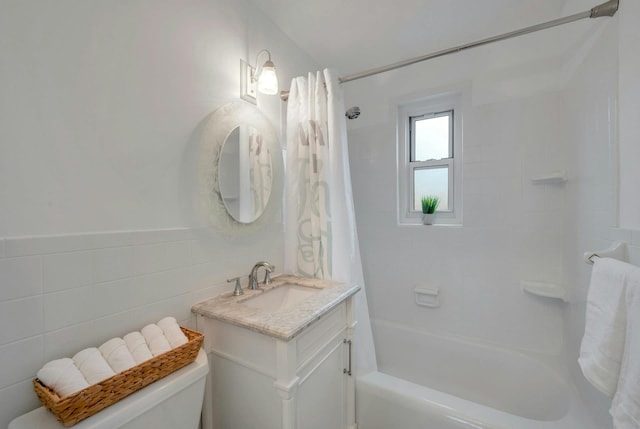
x: 345, y: 370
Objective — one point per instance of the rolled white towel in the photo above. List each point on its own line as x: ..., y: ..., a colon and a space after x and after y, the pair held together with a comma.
x: 63, y: 377
x: 172, y: 331
x: 137, y: 346
x: 92, y: 365
x: 155, y: 339
x: 117, y: 354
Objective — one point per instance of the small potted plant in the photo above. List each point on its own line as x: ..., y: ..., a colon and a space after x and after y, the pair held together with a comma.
x: 429, y: 206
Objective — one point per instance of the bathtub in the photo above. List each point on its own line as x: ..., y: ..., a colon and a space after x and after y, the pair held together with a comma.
x: 430, y: 382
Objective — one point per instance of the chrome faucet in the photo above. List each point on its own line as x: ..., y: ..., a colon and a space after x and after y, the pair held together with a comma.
x: 253, y: 280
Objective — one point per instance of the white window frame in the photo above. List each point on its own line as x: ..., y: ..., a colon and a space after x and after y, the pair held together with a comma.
x: 433, y: 106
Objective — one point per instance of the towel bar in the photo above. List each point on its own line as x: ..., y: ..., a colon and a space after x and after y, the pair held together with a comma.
x: 618, y: 250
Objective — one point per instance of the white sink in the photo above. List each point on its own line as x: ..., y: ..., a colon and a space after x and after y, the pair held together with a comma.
x: 281, y: 297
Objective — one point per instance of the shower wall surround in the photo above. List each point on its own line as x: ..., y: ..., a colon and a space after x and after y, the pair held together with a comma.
x: 629, y: 102
x: 545, y: 115
x: 101, y: 105
x: 591, y: 193
x: 512, y: 230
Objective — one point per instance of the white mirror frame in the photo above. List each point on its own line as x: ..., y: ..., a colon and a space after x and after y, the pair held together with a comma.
x: 214, y: 134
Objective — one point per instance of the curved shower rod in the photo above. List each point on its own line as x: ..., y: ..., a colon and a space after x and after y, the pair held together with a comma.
x: 605, y: 9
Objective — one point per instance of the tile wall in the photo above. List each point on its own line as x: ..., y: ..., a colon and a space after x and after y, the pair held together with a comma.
x: 591, y: 194
x: 512, y: 229
x: 64, y: 293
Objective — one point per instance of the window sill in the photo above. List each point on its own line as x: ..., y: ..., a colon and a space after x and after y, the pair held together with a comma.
x: 444, y: 219
x: 436, y: 225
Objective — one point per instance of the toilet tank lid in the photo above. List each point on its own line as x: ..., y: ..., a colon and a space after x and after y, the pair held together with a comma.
x: 130, y: 407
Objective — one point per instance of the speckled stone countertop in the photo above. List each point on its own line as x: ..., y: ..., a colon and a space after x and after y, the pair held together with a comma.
x: 282, y: 324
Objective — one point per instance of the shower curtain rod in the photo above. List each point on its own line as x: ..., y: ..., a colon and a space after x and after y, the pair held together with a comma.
x: 605, y: 9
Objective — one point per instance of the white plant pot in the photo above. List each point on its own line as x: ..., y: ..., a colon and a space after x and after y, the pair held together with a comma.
x: 428, y: 218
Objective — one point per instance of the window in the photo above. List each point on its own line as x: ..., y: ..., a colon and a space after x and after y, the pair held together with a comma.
x: 431, y: 158
x: 429, y: 161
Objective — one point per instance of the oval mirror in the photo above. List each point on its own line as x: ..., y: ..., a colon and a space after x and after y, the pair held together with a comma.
x: 244, y: 173
x: 240, y: 169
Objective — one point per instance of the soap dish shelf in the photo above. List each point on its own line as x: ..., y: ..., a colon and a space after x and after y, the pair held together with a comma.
x: 547, y: 290
x: 555, y: 178
x: 427, y: 297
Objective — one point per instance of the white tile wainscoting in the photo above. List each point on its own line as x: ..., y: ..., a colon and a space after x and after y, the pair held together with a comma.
x: 60, y: 294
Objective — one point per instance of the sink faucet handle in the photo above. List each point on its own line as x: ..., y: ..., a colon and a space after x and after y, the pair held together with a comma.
x: 268, y: 269
x: 253, y: 283
x: 237, y: 291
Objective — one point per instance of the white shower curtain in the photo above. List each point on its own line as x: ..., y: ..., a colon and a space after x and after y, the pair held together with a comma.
x: 321, y: 239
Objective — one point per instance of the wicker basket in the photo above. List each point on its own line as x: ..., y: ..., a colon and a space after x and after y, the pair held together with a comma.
x: 85, y: 403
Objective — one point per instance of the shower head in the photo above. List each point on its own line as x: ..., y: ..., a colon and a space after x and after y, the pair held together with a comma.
x: 353, y: 112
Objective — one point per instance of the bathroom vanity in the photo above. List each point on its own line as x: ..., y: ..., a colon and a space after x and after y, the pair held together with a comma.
x: 280, y: 356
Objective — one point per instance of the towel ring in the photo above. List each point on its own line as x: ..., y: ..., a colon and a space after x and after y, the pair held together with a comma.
x: 590, y: 258
x: 618, y: 250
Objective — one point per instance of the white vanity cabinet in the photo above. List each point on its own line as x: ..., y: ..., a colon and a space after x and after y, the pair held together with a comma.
x: 260, y: 381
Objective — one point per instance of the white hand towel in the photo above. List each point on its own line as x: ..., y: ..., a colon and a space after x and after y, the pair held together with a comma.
x: 117, y: 354
x: 92, y: 365
x: 625, y: 407
x: 137, y: 346
x: 172, y: 331
x: 155, y: 339
x: 63, y: 377
x: 603, y: 342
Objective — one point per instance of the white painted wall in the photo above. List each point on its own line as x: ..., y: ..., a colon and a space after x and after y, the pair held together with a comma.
x: 101, y: 103
x: 100, y: 111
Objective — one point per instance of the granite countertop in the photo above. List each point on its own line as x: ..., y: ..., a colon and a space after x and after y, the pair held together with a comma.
x: 282, y: 324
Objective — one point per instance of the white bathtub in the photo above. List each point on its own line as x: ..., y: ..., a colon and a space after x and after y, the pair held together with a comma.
x: 429, y: 382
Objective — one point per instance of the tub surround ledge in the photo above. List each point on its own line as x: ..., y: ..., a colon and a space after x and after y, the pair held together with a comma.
x: 282, y: 324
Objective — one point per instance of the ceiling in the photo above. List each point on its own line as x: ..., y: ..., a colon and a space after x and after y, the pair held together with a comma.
x: 356, y: 35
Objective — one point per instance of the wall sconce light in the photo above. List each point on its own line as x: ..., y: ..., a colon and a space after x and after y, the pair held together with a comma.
x: 254, y: 79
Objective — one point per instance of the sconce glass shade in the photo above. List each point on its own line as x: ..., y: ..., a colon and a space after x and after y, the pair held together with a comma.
x: 268, y: 80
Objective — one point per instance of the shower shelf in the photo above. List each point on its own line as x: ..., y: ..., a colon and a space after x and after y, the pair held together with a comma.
x: 555, y: 178
x: 547, y: 290
x: 427, y: 297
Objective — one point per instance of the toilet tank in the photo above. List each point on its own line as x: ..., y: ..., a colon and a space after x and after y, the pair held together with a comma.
x: 170, y: 403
